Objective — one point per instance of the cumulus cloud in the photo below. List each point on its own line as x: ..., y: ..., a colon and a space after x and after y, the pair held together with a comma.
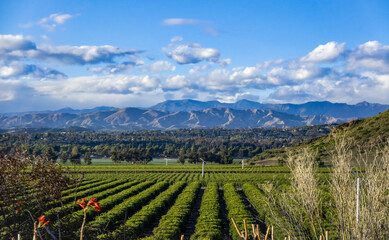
x: 16, y: 69
x: 188, y: 53
x: 160, y: 66
x: 224, y: 62
x: 113, y: 84
x: 17, y: 48
x: 79, y: 55
x: 350, y: 75
x: 198, y: 69
x: 123, y: 67
x: 325, y: 53
x: 176, y: 83
x: 15, y: 43
x: 371, y: 55
x: 52, y: 21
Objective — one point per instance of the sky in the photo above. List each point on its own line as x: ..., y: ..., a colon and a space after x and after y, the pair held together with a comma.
x: 83, y: 54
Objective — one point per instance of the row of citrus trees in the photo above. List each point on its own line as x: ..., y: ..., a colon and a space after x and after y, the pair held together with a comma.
x: 129, y: 206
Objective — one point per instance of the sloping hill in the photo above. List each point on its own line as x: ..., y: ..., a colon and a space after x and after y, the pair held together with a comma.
x: 136, y: 118
x: 361, y: 135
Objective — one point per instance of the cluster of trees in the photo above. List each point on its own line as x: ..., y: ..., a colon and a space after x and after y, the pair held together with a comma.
x: 132, y: 155
x: 50, y: 155
x: 217, y: 145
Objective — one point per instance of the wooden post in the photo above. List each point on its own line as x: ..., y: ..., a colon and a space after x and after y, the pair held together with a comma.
x: 358, y: 197
x: 258, y: 234
x: 246, y: 234
x: 327, y: 238
x: 202, y: 172
x: 242, y: 163
x: 236, y: 227
x: 267, y: 232
x: 35, y: 231
x: 272, y: 237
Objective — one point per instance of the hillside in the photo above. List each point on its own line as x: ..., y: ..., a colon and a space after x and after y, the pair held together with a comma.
x: 361, y: 134
x: 136, y: 119
x: 336, y: 110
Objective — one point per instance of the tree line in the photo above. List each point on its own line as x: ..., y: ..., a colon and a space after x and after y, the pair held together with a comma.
x: 190, y: 145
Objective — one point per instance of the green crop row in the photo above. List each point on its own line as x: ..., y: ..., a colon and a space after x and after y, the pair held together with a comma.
x: 108, y: 220
x: 68, y: 208
x: 107, y: 203
x: 209, y: 223
x: 81, y: 186
x: 236, y: 209
x: 171, y: 224
x: 134, y: 225
x: 97, y: 187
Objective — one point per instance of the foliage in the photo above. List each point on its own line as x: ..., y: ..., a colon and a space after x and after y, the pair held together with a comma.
x: 170, y: 226
x: 208, y: 224
x: 236, y: 209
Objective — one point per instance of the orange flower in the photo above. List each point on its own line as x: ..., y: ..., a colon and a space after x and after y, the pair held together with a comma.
x: 19, y: 209
x: 92, y: 202
x: 82, y: 203
x: 42, y: 221
x: 98, y: 207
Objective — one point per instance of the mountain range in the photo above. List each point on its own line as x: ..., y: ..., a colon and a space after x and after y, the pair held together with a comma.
x: 336, y: 110
x: 194, y: 114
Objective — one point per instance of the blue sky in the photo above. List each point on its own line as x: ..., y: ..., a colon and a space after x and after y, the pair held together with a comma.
x: 83, y: 54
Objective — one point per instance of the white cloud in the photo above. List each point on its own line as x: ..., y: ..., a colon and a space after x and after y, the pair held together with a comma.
x: 325, y: 53
x: 207, y: 26
x: 15, y: 42
x: 52, y: 21
x: 188, y: 53
x: 160, y: 66
x: 198, y: 69
x: 176, y: 83
x: 21, y: 50
x: 224, y: 62
x: 176, y: 39
x: 17, y: 46
x: 123, y: 67
x: 180, y: 21
x: 17, y: 69
x: 118, y: 84
x: 371, y: 55
x: 80, y: 54
x: 359, y: 75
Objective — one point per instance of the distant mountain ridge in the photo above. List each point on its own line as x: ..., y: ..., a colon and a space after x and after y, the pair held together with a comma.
x: 136, y: 119
x: 189, y: 113
x: 336, y: 110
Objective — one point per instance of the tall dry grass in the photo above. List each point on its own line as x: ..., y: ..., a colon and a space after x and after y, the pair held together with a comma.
x: 373, y: 222
x: 310, y: 206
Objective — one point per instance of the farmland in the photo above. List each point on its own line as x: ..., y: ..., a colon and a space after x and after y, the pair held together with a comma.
x: 165, y: 198
x: 157, y: 201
